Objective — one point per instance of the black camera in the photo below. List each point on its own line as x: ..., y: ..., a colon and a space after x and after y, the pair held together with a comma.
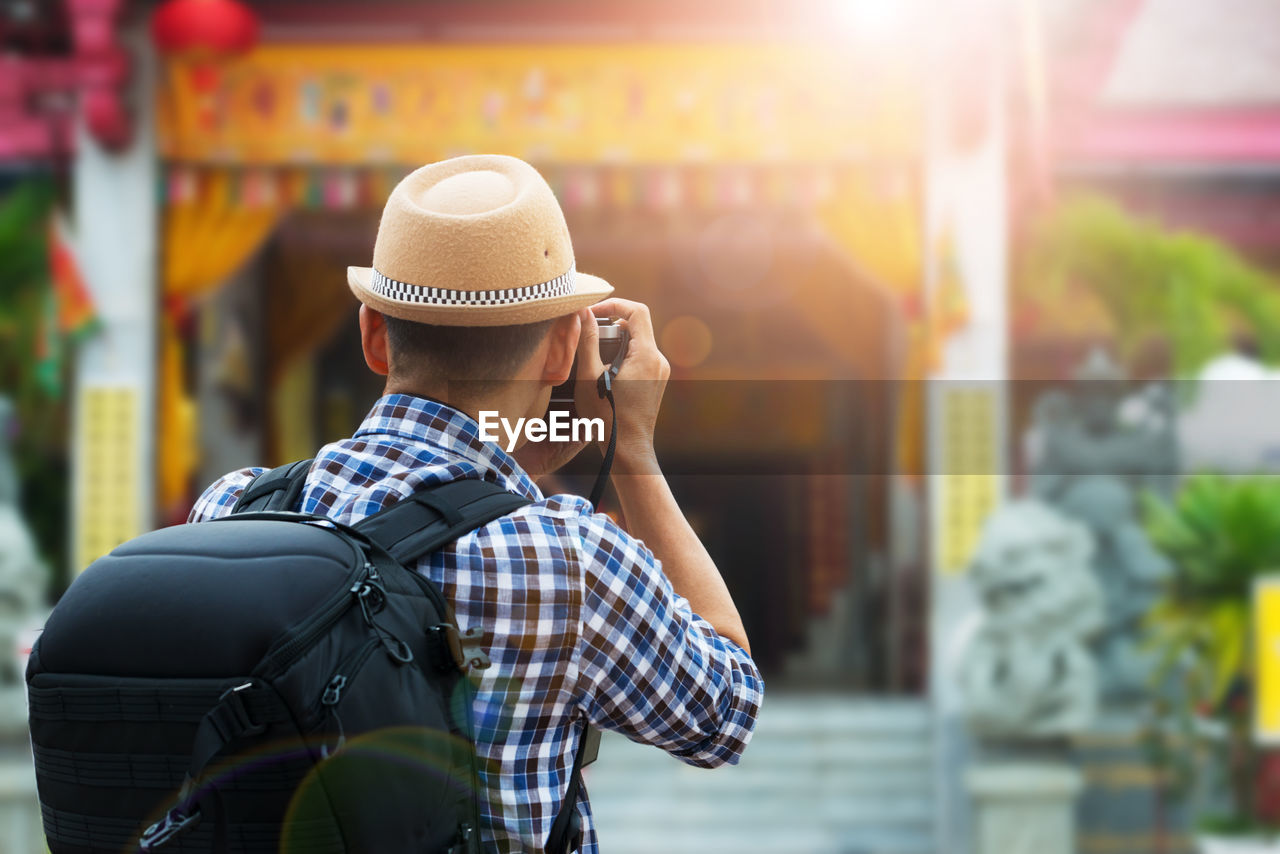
x: 613, y: 348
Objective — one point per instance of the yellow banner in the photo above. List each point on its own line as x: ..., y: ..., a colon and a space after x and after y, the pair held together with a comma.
x: 1266, y: 622
x: 107, y: 483
x: 546, y: 103
x: 969, y: 471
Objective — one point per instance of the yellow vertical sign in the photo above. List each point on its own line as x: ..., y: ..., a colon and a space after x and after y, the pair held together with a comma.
x: 1266, y: 639
x: 107, y: 492
x: 969, y: 471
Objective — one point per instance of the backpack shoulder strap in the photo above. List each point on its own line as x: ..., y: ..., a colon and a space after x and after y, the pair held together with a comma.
x: 425, y: 521
x: 566, y: 830
x: 277, y: 489
x: 431, y: 517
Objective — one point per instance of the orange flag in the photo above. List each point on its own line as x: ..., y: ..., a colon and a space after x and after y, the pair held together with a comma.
x: 76, y: 314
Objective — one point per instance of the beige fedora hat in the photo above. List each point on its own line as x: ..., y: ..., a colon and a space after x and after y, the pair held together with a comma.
x: 474, y: 241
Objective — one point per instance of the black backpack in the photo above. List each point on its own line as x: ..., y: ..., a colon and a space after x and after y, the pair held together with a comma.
x: 268, y: 682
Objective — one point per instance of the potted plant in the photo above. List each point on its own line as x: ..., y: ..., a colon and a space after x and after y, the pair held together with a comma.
x: 1220, y: 535
x: 1140, y: 284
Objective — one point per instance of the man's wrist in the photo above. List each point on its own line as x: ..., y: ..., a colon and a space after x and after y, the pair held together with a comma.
x: 632, y: 459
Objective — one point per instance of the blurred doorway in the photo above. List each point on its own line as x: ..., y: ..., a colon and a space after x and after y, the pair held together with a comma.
x: 778, y: 433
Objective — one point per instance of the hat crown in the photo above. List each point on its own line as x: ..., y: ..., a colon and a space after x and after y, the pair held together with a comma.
x: 469, y: 193
x: 476, y: 223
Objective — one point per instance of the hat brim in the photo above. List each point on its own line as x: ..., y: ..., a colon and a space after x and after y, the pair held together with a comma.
x: 587, y: 290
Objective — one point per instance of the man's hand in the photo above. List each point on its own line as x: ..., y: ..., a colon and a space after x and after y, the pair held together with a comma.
x: 637, y: 393
x: 637, y: 389
x: 647, y: 503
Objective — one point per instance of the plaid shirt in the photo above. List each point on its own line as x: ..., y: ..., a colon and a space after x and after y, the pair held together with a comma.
x: 582, y: 621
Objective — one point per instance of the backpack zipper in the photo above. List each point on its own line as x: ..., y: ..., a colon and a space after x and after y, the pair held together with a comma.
x: 343, y: 675
x: 433, y: 594
x: 278, y: 660
x: 346, y: 672
x: 428, y: 587
x: 365, y: 592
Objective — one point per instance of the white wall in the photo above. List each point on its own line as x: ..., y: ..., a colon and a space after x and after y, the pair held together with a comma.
x: 115, y: 220
x: 966, y: 198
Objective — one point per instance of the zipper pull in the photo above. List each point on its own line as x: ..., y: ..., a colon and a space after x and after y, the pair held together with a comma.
x: 325, y: 750
x: 398, y: 650
x: 371, y: 581
x: 371, y: 596
x: 333, y: 691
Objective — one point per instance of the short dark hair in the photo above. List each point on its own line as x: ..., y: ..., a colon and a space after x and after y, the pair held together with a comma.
x: 479, y: 354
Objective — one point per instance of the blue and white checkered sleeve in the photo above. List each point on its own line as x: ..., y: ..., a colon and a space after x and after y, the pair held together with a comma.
x: 222, y: 494
x: 653, y: 669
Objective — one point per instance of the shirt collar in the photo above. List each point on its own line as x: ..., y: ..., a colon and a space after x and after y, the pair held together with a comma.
x: 449, y: 433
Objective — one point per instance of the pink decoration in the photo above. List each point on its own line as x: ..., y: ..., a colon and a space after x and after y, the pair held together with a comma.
x: 33, y: 119
x: 102, y: 70
x: 1224, y: 135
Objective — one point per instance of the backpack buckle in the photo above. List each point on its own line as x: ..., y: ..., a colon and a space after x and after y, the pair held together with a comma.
x: 465, y: 841
x: 231, y: 718
x: 473, y: 650
x: 164, y: 830
x: 464, y: 648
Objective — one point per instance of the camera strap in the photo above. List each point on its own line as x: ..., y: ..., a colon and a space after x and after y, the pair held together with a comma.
x: 604, y: 388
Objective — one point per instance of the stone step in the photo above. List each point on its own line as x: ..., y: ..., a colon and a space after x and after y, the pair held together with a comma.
x: 800, y: 840
x: 834, y: 810
x: 818, y: 751
x: 762, y: 779
x: 811, y: 753
x: 773, y: 840
x: 813, y: 746
x: 919, y: 840
x: 826, y: 714
x: 836, y: 775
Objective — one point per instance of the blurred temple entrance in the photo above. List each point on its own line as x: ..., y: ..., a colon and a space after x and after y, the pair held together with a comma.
x: 778, y: 431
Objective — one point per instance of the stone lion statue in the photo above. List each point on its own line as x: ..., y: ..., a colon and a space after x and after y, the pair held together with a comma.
x: 1092, y: 449
x: 1027, y: 672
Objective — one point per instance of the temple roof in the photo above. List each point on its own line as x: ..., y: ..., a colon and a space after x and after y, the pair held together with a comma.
x: 1198, y: 53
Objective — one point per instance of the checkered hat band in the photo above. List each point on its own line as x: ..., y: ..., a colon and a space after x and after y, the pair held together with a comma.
x: 405, y: 292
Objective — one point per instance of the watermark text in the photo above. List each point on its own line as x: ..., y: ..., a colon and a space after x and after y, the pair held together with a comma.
x: 558, y: 426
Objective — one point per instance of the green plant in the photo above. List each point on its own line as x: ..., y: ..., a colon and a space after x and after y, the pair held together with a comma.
x: 1220, y: 534
x: 39, y: 446
x: 1184, y: 288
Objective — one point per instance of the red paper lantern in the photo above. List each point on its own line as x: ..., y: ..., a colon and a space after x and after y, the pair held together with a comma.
x: 204, y: 28
x: 106, y: 118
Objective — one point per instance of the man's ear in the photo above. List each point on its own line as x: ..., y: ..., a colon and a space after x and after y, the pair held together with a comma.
x: 373, y: 339
x: 561, y: 348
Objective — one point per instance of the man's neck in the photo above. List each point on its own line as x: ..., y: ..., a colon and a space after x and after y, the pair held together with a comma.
x: 510, y: 400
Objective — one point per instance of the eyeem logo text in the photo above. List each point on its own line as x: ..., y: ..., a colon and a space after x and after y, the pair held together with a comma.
x: 556, y: 427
